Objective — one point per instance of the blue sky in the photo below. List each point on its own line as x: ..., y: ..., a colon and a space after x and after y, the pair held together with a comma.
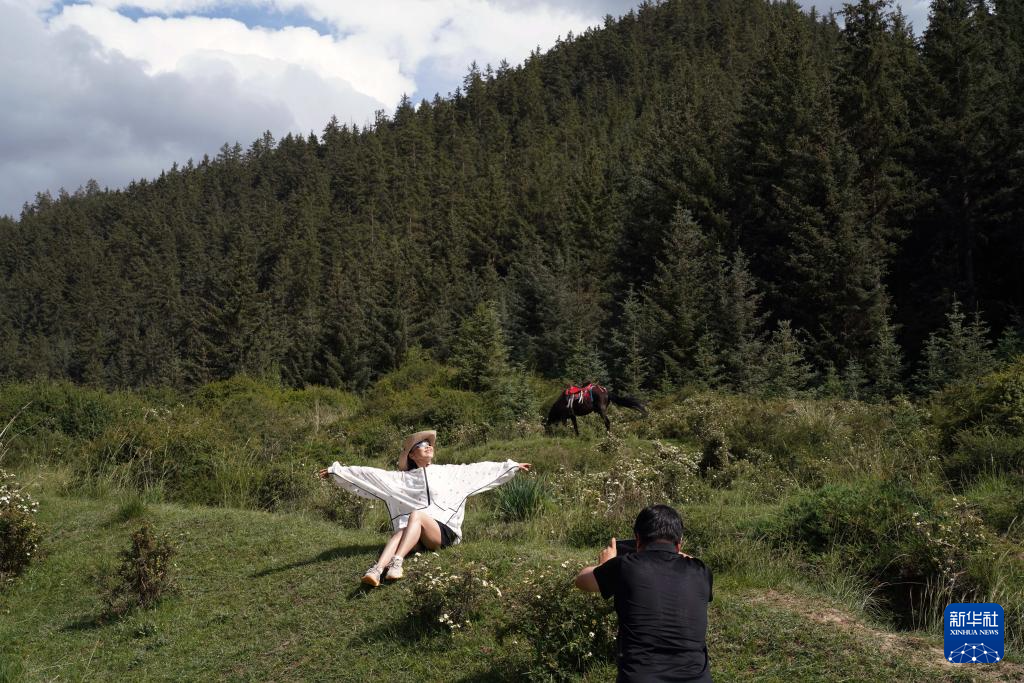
x: 115, y: 90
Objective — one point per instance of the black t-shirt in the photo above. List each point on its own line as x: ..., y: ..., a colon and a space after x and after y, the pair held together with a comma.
x: 662, y: 601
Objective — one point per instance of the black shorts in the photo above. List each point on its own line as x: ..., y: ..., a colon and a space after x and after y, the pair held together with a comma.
x: 447, y: 538
x: 447, y: 535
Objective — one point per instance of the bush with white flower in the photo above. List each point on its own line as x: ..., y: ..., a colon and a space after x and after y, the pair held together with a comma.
x: 19, y: 533
x: 447, y: 598
x: 568, y: 631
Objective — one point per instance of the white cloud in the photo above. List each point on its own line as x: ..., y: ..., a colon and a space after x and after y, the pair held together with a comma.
x: 91, y: 92
x: 191, y: 45
x: 75, y: 109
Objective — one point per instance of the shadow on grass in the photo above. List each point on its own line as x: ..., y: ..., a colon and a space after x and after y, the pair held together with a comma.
x: 500, y: 672
x: 405, y: 630
x: 87, y: 622
x: 325, y: 556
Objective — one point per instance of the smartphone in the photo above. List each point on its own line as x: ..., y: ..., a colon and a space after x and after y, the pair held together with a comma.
x: 623, y: 546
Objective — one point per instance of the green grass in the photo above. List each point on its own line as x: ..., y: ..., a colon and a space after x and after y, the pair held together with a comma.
x: 268, y: 588
x: 276, y: 596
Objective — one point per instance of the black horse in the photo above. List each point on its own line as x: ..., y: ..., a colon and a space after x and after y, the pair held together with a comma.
x: 585, y: 400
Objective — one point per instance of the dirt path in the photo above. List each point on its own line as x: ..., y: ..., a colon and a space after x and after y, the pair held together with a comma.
x: 913, y: 648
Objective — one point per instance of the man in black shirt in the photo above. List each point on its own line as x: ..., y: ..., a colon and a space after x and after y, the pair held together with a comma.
x: 661, y: 597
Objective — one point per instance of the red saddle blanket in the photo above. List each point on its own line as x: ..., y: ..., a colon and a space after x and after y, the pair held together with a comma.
x: 573, y: 390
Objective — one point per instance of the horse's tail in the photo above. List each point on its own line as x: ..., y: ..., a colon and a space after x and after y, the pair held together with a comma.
x: 627, y: 402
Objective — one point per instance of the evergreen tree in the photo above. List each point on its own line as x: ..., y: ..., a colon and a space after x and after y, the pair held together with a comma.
x: 885, y: 367
x: 1011, y: 341
x: 584, y: 364
x: 739, y: 326
x: 784, y: 370
x: 707, y: 368
x: 961, y: 351
x: 630, y: 362
x: 479, y: 352
x: 675, y: 301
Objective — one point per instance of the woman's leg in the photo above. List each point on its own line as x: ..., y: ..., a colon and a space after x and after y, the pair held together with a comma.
x: 421, y: 528
x: 389, y: 549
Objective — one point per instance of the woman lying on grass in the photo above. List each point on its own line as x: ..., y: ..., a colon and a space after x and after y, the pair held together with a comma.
x: 426, y: 502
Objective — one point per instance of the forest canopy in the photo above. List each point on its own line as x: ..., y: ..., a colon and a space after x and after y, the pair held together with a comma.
x: 734, y: 193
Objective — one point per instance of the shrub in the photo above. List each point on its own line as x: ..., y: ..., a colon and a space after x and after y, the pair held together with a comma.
x: 376, y: 437
x: 594, y: 530
x: 982, y: 423
x: 340, y: 506
x: 914, y: 543
x: 19, y: 533
x: 63, y: 407
x: 450, y: 599
x: 521, y: 498
x: 984, y: 450
x: 144, y: 576
x: 678, y: 469
x: 448, y: 408
x: 281, y: 486
x: 1000, y: 502
x: 569, y: 630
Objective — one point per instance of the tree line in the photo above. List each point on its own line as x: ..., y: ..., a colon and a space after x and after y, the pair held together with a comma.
x: 727, y: 192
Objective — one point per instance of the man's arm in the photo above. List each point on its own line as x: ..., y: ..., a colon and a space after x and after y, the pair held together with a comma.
x: 585, y: 580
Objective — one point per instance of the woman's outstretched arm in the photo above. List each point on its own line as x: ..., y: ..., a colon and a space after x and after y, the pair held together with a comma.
x: 469, y: 480
x: 368, y: 482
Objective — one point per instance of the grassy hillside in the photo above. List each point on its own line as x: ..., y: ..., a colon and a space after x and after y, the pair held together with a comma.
x: 837, y: 531
x: 276, y: 597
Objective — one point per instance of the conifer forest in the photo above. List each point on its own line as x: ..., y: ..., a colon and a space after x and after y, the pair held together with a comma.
x: 737, y: 194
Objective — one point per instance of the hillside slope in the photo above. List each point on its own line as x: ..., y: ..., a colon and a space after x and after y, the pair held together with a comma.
x: 276, y: 597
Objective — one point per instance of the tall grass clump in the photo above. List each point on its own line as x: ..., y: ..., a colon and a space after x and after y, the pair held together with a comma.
x: 12, y: 670
x: 521, y: 499
x: 999, y: 500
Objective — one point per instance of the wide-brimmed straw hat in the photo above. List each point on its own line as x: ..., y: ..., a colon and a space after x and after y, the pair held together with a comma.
x: 428, y: 435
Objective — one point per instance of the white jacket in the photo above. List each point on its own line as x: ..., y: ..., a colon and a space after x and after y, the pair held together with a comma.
x: 439, y: 490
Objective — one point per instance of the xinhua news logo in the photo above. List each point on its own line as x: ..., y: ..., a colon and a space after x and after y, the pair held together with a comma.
x: 974, y: 633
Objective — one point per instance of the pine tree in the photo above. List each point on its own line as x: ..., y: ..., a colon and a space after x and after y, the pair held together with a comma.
x: 675, y: 302
x: 784, y: 371
x: 707, y: 368
x: 584, y: 364
x: 630, y: 362
x: 960, y: 135
x: 479, y: 352
x: 1011, y: 341
x: 739, y: 326
x: 960, y: 352
x: 886, y: 364
x: 799, y: 211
